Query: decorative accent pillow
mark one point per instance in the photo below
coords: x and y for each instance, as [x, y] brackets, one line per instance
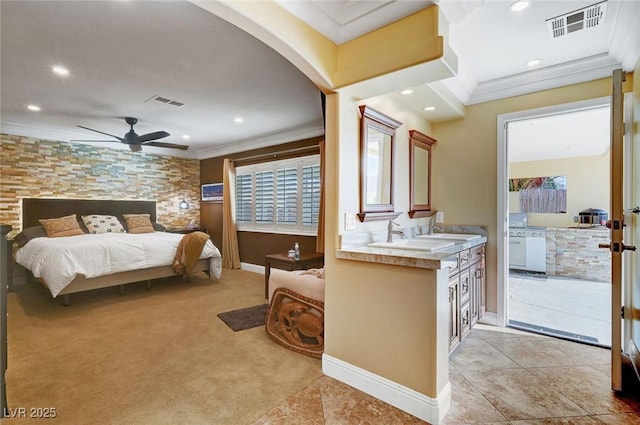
[102, 224]
[159, 227]
[29, 233]
[138, 223]
[62, 226]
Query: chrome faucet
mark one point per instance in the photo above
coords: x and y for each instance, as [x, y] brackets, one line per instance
[391, 232]
[430, 225]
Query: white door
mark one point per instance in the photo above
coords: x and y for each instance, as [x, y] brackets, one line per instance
[621, 278]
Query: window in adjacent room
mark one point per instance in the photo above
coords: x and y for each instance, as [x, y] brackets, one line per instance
[280, 196]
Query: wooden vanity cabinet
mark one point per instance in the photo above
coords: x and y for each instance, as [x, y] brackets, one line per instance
[454, 313]
[466, 293]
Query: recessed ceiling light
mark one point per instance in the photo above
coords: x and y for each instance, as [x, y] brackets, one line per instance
[407, 91]
[185, 136]
[430, 108]
[534, 62]
[60, 70]
[238, 119]
[519, 5]
[34, 108]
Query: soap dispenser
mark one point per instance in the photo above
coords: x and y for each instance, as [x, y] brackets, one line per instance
[296, 248]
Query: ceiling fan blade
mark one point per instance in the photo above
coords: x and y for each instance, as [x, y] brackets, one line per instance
[99, 141]
[102, 132]
[167, 145]
[152, 136]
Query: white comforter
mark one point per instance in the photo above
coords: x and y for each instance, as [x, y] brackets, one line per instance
[58, 260]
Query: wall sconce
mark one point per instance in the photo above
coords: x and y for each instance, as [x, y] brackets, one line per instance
[184, 205]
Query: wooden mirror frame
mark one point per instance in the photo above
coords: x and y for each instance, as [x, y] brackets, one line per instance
[421, 141]
[387, 125]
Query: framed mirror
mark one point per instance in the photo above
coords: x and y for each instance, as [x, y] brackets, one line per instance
[377, 138]
[420, 174]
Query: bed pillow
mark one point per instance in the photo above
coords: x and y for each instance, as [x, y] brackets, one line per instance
[159, 227]
[29, 233]
[62, 226]
[102, 224]
[138, 223]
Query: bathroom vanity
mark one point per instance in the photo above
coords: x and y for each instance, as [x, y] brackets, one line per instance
[463, 255]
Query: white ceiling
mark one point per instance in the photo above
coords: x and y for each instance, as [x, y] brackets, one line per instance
[565, 135]
[121, 53]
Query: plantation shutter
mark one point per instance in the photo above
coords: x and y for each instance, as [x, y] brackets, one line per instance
[243, 198]
[264, 197]
[310, 195]
[287, 196]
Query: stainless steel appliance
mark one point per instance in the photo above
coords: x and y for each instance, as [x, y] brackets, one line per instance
[517, 250]
[592, 216]
[536, 242]
[527, 245]
[517, 220]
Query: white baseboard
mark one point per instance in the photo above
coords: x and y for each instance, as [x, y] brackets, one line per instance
[415, 403]
[489, 318]
[252, 268]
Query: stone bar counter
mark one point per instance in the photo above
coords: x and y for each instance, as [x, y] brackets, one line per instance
[573, 252]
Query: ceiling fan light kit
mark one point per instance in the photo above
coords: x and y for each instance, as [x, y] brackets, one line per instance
[135, 141]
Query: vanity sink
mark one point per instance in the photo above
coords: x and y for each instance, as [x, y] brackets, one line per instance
[450, 236]
[414, 244]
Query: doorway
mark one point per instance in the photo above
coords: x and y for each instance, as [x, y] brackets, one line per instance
[553, 170]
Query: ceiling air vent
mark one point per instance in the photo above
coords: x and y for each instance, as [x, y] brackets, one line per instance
[166, 101]
[588, 17]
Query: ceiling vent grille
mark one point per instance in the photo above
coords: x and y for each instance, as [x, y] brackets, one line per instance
[166, 101]
[588, 17]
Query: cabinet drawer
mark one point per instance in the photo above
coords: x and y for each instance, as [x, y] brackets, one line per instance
[465, 321]
[465, 259]
[477, 252]
[464, 286]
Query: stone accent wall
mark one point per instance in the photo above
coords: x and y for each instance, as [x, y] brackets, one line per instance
[33, 168]
[573, 252]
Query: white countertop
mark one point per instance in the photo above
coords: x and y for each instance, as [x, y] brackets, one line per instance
[410, 258]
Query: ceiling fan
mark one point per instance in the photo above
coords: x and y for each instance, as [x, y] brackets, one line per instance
[135, 141]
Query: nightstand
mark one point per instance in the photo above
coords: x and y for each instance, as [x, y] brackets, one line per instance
[184, 230]
[283, 261]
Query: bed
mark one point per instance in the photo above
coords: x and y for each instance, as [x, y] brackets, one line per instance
[71, 264]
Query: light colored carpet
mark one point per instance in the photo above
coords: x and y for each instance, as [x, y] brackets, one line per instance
[148, 357]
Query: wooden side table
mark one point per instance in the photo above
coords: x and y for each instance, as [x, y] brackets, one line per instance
[308, 260]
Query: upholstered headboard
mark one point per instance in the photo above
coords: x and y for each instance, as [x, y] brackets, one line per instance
[34, 209]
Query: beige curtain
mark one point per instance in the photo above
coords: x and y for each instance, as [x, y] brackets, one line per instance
[230, 253]
[320, 235]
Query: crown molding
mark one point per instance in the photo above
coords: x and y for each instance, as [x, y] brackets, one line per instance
[625, 40]
[574, 72]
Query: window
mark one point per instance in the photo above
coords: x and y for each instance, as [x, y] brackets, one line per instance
[280, 196]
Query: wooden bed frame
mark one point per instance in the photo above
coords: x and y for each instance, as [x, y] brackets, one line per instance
[34, 209]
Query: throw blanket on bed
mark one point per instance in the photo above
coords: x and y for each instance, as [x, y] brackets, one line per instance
[188, 252]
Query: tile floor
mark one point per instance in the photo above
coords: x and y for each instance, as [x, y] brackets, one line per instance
[576, 308]
[498, 376]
